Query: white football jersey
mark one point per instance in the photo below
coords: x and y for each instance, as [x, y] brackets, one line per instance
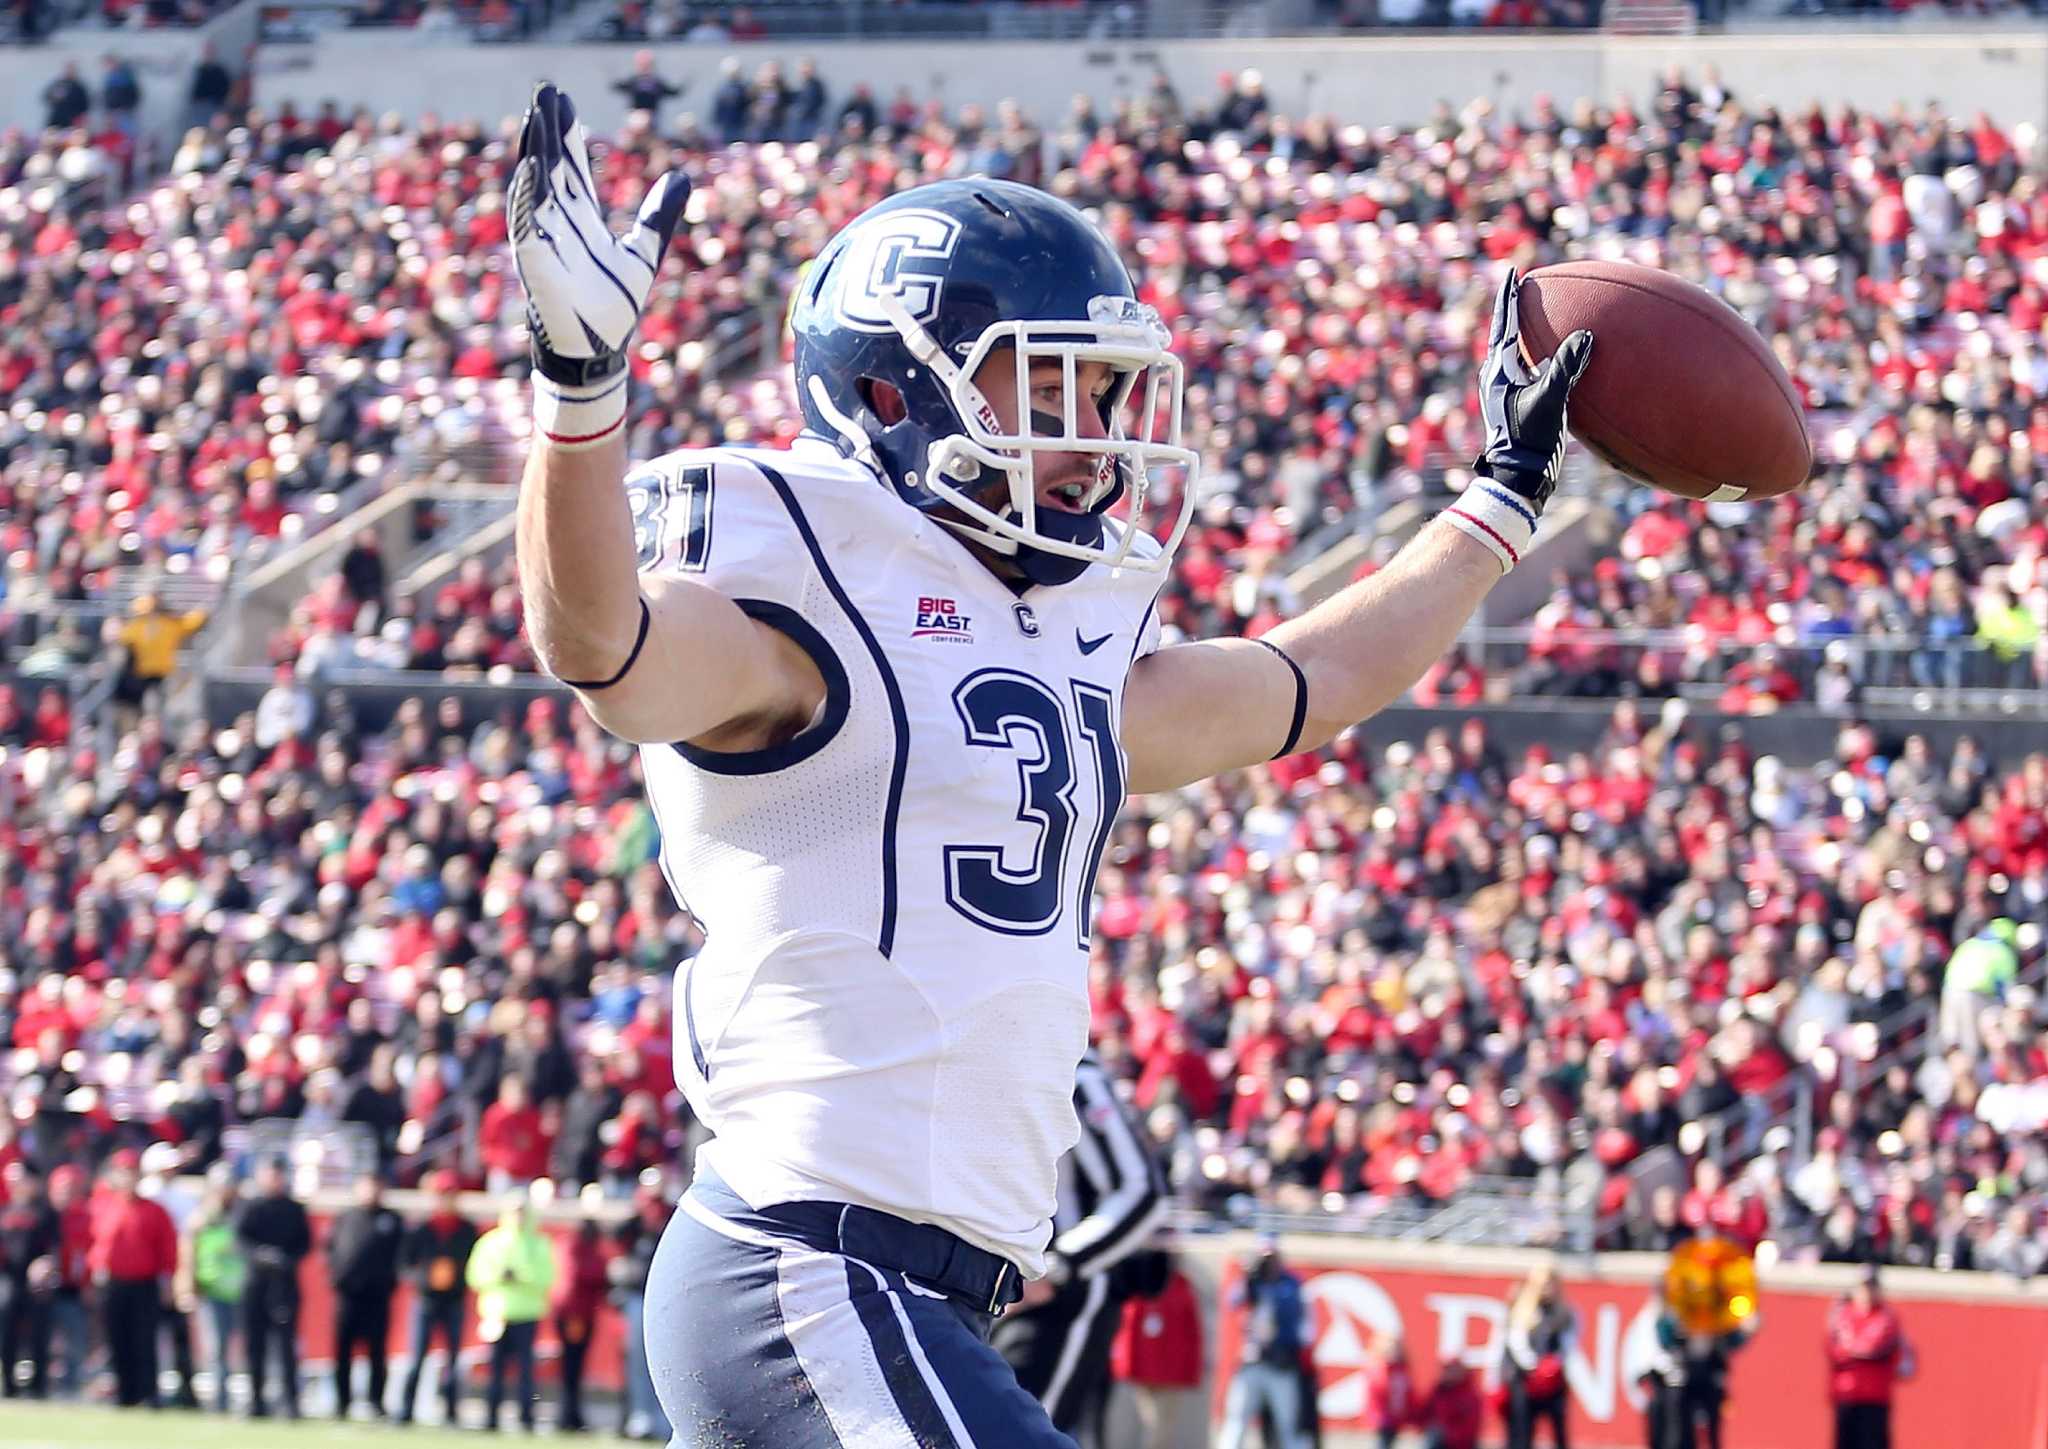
[891, 1000]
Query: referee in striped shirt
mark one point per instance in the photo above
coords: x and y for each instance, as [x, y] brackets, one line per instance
[1112, 1198]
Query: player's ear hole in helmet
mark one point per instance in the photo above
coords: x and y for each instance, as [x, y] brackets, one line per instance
[910, 313]
[883, 400]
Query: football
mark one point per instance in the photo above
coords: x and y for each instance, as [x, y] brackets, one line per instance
[1681, 393]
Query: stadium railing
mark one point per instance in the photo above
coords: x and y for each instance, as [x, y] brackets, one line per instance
[333, 1154]
[414, 522]
[1780, 1117]
[1965, 674]
[1907, 1037]
[1555, 1210]
[90, 684]
[92, 692]
[1797, 735]
[1889, 673]
[1097, 20]
[1737, 1134]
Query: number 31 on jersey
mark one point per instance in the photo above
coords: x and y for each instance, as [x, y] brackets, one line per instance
[1046, 731]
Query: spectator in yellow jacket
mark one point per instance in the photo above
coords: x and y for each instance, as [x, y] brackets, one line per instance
[2010, 629]
[150, 638]
[511, 1270]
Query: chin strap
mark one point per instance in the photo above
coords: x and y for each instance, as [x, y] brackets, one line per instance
[1051, 569]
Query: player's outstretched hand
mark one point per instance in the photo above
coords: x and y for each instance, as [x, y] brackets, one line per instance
[1524, 411]
[584, 286]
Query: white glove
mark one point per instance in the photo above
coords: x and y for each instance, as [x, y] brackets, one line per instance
[584, 286]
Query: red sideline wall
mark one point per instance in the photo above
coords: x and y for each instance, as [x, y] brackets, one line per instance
[1981, 1343]
[1981, 1346]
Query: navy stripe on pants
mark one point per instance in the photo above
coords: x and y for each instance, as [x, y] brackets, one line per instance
[866, 1289]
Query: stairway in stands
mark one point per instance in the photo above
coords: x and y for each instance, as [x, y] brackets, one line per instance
[1650, 17]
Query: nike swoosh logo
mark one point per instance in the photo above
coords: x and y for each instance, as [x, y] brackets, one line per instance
[1089, 646]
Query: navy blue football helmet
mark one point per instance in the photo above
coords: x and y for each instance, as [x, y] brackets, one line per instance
[916, 293]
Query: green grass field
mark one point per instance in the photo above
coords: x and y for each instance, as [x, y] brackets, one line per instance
[74, 1426]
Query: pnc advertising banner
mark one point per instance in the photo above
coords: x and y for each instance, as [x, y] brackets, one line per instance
[1980, 1346]
[1980, 1379]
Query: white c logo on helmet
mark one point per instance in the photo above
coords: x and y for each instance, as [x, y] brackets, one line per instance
[902, 253]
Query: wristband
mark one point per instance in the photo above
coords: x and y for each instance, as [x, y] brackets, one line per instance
[575, 417]
[1498, 517]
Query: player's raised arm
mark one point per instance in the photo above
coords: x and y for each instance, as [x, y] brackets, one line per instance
[657, 658]
[1195, 710]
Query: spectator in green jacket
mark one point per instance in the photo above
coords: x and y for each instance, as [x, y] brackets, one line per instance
[2009, 627]
[1979, 973]
[512, 1269]
[211, 1274]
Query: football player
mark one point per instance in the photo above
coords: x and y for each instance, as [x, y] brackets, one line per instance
[890, 688]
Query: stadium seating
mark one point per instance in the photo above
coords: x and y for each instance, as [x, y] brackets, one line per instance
[1325, 285]
[1344, 983]
[1338, 985]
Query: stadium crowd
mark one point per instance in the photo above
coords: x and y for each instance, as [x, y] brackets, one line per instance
[1345, 980]
[1382, 975]
[33, 20]
[1325, 285]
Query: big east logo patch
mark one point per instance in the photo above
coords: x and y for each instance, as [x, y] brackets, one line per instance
[939, 618]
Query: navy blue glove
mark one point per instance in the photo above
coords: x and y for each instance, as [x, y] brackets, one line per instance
[1524, 411]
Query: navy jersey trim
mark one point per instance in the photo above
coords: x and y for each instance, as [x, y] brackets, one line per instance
[685, 988]
[1139, 642]
[807, 742]
[686, 972]
[899, 717]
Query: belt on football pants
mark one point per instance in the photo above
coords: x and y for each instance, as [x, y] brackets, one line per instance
[930, 1254]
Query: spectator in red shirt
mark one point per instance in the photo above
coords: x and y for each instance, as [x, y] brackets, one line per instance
[581, 1282]
[1733, 1212]
[513, 1140]
[52, 723]
[1454, 1412]
[1158, 1351]
[1389, 1387]
[1754, 1062]
[74, 1272]
[134, 1252]
[633, 1142]
[1865, 1347]
[1182, 1065]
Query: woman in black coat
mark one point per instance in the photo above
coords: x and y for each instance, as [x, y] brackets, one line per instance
[1541, 1328]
